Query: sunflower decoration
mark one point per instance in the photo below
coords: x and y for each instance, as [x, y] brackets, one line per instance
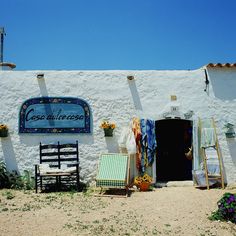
[3, 127]
[138, 180]
[107, 125]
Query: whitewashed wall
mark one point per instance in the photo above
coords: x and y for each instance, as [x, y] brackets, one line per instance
[111, 96]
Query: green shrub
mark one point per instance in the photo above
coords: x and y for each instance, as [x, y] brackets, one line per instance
[28, 180]
[14, 180]
[226, 209]
[4, 180]
[25, 182]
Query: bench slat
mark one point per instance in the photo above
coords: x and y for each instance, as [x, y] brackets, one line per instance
[61, 153]
[68, 145]
[49, 146]
[49, 154]
[68, 159]
[61, 159]
[68, 153]
[49, 160]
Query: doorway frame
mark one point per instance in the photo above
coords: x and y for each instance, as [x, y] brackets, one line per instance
[194, 145]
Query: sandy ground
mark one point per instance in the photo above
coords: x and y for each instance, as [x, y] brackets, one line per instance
[164, 211]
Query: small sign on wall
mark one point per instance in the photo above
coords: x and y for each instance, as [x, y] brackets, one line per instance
[55, 115]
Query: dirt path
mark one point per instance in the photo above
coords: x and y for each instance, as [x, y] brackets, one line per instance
[165, 211]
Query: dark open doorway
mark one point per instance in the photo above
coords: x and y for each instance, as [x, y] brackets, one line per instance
[174, 138]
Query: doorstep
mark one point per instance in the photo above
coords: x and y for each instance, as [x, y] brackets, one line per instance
[186, 183]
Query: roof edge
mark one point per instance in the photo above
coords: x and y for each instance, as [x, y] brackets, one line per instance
[219, 65]
[8, 64]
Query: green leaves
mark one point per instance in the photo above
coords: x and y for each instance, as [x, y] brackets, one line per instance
[226, 209]
[14, 180]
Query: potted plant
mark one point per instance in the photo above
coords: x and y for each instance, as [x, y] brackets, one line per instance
[3, 130]
[226, 208]
[143, 182]
[108, 128]
[230, 133]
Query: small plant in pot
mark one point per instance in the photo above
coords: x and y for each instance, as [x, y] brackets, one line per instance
[108, 127]
[143, 182]
[3, 130]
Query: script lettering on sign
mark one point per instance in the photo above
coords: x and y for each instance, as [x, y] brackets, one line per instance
[55, 115]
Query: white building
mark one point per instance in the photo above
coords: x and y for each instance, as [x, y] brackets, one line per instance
[110, 95]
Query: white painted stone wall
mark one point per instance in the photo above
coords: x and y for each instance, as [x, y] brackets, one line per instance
[111, 96]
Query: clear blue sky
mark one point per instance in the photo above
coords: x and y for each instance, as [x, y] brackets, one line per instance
[118, 34]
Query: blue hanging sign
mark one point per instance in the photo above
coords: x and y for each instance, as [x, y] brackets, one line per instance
[55, 115]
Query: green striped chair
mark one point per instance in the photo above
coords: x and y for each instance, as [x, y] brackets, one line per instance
[113, 171]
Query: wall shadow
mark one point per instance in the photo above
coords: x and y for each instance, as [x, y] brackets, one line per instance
[223, 83]
[44, 93]
[223, 166]
[112, 144]
[135, 95]
[9, 154]
[43, 87]
[231, 142]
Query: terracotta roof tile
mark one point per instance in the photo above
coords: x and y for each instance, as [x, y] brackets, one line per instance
[229, 65]
[11, 65]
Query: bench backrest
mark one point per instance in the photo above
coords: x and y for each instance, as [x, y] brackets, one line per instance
[57, 154]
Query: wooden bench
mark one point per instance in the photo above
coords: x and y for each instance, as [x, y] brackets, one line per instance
[58, 162]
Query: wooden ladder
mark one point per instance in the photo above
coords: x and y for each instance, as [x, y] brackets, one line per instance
[216, 146]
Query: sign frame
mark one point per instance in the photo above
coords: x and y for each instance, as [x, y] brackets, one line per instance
[63, 101]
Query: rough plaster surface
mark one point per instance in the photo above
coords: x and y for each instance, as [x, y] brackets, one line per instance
[111, 96]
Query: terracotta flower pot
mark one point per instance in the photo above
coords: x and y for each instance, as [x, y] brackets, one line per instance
[144, 186]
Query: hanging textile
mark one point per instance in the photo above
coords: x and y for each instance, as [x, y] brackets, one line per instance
[127, 140]
[148, 143]
[143, 145]
[137, 134]
[208, 138]
[123, 137]
[151, 141]
[131, 143]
